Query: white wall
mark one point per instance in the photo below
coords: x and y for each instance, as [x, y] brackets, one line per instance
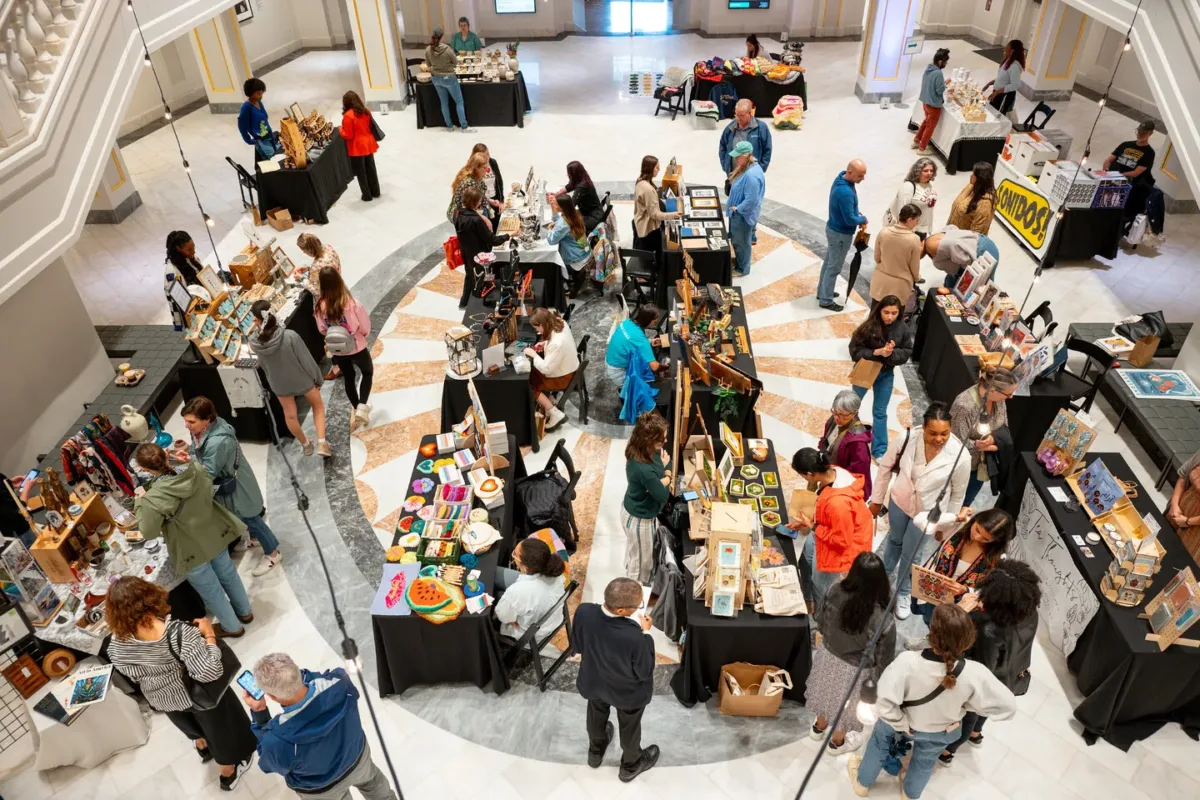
[716, 17]
[273, 32]
[56, 364]
[971, 18]
[181, 79]
[1097, 57]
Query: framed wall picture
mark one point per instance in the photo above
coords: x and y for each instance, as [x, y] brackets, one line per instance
[243, 10]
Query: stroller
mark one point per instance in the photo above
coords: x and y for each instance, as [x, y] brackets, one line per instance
[543, 499]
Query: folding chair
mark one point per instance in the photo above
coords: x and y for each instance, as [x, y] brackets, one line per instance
[639, 271]
[560, 453]
[578, 382]
[410, 82]
[532, 642]
[1042, 312]
[1030, 125]
[1104, 360]
[247, 185]
[672, 100]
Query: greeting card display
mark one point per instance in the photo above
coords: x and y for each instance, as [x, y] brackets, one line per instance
[1096, 488]
[1173, 610]
[1066, 442]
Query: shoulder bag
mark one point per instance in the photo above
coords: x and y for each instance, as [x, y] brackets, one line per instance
[900, 455]
[204, 696]
[376, 131]
[937, 691]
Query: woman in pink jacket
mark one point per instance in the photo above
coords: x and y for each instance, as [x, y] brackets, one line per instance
[337, 308]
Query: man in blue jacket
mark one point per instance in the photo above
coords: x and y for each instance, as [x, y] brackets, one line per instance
[745, 203]
[744, 128]
[317, 743]
[844, 218]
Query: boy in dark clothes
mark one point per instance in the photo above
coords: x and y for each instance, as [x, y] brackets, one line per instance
[617, 669]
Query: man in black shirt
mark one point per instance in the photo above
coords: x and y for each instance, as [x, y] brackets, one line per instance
[1134, 159]
[617, 669]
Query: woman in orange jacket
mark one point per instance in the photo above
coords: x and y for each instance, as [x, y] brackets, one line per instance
[361, 144]
[842, 527]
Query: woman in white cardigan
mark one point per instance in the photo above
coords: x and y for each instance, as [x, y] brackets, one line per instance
[916, 466]
[917, 189]
[923, 697]
[554, 361]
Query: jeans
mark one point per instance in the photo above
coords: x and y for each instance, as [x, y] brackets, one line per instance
[926, 747]
[822, 582]
[370, 781]
[925, 132]
[974, 484]
[903, 539]
[221, 588]
[739, 233]
[971, 723]
[259, 531]
[368, 178]
[357, 392]
[447, 87]
[882, 395]
[837, 246]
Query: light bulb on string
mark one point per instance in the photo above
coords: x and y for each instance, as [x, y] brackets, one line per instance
[868, 693]
[1102, 101]
[146, 60]
[1059, 214]
[984, 426]
[167, 114]
[187, 167]
[1127, 46]
[129, 4]
[208, 220]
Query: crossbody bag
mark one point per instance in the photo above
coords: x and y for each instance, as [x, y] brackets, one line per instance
[205, 695]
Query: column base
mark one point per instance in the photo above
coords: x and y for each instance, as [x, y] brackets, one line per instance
[117, 215]
[873, 98]
[1173, 206]
[1040, 95]
[393, 105]
[224, 108]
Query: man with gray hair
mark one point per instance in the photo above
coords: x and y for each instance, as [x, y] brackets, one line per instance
[317, 743]
[744, 127]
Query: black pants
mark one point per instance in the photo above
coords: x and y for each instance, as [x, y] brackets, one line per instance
[368, 179]
[972, 723]
[629, 729]
[357, 392]
[226, 729]
[1004, 103]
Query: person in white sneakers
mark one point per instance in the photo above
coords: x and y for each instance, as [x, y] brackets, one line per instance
[336, 307]
[554, 361]
[853, 609]
[915, 467]
[214, 446]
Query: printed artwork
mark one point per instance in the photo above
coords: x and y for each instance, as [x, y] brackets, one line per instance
[729, 554]
[1159, 384]
[1099, 488]
[933, 587]
[722, 604]
[389, 598]
[769, 502]
[1175, 609]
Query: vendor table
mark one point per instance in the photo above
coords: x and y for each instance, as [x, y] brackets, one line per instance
[488, 104]
[712, 642]
[98, 731]
[307, 193]
[1130, 687]
[1025, 210]
[947, 372]
[547, 266]
[713, 266]
[963, 143]
[763, 93]
[411, 651]
[506, 396]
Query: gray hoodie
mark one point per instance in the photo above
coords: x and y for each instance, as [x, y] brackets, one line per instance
[290, 368]
[933, 86]
[441, 59]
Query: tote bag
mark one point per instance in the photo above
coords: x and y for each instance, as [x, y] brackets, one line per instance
[204, 696]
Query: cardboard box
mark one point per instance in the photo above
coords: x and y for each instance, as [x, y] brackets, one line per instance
[280, 219]
[256, 217]
[750, 704]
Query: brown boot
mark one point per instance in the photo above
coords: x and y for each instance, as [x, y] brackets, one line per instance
[222, 633]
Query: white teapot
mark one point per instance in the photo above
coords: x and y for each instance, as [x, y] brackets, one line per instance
[134, 424]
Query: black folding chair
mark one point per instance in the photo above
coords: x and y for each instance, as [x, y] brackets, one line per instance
[671, 100]
[410, 82]
[638, 270]
[605, 206]
[247, 185]
[1104, 362]
[573, 475]
[1030, 124]
[578, 384]
[532, 641]
[1042, 312]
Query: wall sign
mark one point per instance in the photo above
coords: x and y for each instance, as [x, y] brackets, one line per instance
[1027, 212]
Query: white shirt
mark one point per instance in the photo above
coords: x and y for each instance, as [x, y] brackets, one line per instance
[558, 354]
[918, 484]
[922, 195]
[913, 676]
[527, 601]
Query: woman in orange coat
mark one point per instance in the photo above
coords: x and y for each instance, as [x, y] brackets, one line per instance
[360, 144]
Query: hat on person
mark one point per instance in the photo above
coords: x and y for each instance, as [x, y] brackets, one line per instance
[741, 149]
[438, 33]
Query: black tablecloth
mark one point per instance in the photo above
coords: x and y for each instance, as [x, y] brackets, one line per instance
[712, 642]
[947, 372]
[713, 266]
[488, 104]
[1130, 687]
[307, 193]
[1085, 233]
[554, 293]
[506, 396]
[755, 88]
[411, 651]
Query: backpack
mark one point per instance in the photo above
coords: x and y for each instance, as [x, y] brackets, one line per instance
[541, 503]
[338, 340]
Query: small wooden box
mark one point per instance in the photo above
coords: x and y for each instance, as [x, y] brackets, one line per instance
[673, 178]
[54, 550]
[25, 676]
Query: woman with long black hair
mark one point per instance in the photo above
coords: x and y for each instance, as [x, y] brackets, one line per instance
[883, 337]
[973, 208]
[583, 192]
[569, 232]
[1008, 78]
[854, 608]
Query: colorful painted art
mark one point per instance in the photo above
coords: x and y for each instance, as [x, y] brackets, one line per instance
[771, 518]
[1159, 384]
[1099, 488]
[389, 597]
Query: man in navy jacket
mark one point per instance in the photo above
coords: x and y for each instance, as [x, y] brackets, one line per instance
[317, 743]
[844, 218]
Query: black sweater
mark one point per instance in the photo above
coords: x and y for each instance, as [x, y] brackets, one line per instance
[588, 203]
[474, 237]
[617, 665]
[897, 332]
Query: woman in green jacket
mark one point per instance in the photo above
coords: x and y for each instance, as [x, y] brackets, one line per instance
[648, 487]
[179, 507]
[214, 444]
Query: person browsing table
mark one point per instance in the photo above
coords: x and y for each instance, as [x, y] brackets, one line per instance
[933, 98]
[951, 250]
[898, 258]
[253, 122]
[583, 192]
[744, 127]
[336, 308]
[1183, 510]
[493, 183]
[973, 208]
[746, 194]
[844, 220]
[475, 235]
[361, 144]
[847, 439]
[441, 60]
[989, 395]
[569, 232]
[648, 479]
[883, 337]
[917, 188]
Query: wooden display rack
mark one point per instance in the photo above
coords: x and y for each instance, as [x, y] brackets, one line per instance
[54, 550]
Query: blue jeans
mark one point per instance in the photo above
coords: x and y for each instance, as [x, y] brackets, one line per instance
[837, 246]
[258, 529]
[221, 588]
[447, 87]
[739, 233]
[973, 487]
[926, 747]
[882, 389]
[822, 582]
[903, 539]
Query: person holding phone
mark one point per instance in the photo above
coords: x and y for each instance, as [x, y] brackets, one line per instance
[154, 651]
[883, 337]
[317, 744]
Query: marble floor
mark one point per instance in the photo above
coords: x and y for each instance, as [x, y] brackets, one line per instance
[389, 255]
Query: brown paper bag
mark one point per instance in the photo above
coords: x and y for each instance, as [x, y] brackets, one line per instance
[803, 502]
[742, 697]
[1143, 352]
[864, 373]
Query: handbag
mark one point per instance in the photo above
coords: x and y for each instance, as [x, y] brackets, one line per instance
[454, 257]
[205, 695]
[376, 131]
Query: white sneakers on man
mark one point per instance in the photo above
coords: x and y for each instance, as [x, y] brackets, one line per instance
[267, 563]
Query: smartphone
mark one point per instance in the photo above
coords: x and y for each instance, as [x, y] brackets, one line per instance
[784, 530]
[31, 476]
[246, 681]
[690, 495]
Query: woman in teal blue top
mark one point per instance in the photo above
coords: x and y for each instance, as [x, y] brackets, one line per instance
[253, 122]
[630, 336]
[569, 232]
[465, 41]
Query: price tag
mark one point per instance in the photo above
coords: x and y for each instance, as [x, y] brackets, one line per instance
[1058, 494]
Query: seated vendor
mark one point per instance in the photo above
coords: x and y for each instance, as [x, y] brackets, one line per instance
[1134, 160]
[952, 249]
[465, 41]
[628, 337]
[528, 595]
[554, 361]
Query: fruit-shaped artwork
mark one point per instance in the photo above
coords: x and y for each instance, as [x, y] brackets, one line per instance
[426, 595]
[396, 591]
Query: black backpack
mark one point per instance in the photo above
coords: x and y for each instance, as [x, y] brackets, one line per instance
[542, 503]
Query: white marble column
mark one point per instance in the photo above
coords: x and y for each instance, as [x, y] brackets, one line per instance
[882, 65]
[116, 196]
[1052, 59]
[224, 65]
[376, 34]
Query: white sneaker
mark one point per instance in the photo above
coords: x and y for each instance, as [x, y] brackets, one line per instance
[915, 146]
[554, 418]
[852, 768]
[815, 734]
[853, 741]
[363, 413]
[916, 645]
[903, 606]
[269, 562]
[243, 544]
